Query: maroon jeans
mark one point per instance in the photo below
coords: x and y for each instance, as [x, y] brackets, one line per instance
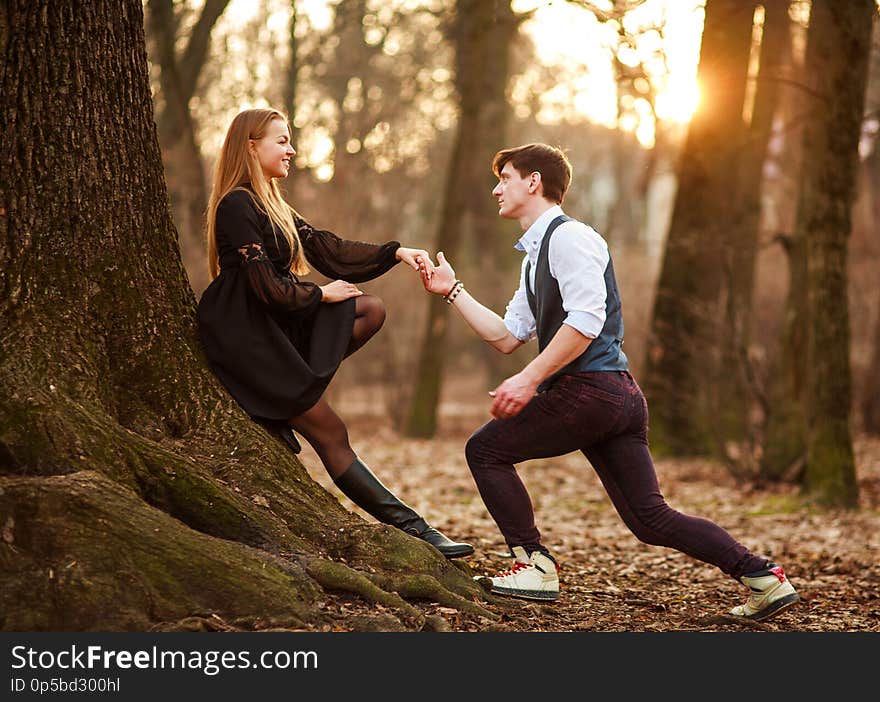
[605, 416]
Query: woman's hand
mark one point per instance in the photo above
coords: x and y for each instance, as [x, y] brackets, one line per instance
[416, 258]
[443, 277]
[339, 290]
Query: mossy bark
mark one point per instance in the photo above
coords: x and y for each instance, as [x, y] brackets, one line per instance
[134, 493]
[838, 80]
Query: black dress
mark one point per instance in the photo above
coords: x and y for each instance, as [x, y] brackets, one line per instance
[272, 342]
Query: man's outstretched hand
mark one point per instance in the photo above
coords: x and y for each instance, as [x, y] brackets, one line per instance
[443, 277]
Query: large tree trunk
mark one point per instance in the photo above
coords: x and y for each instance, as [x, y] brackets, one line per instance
[481, 33]
[134, 493]
[838, 46]
[683, 345]
[184, 165]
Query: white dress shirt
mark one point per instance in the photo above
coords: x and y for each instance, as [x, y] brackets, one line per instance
[578, 259]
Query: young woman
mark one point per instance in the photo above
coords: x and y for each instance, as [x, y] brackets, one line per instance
[276, 341]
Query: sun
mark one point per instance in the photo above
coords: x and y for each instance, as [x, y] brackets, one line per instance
[678, 102]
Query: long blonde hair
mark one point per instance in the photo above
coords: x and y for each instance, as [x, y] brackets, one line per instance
[236, 165]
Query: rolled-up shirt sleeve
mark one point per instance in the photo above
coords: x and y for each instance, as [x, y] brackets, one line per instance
[518, 317]
[578, 260]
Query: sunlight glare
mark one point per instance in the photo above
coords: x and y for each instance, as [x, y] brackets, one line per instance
[319, 12]
[678, 101]
[579, 47]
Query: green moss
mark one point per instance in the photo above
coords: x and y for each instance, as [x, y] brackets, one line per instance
[779, 504]
[830, 477]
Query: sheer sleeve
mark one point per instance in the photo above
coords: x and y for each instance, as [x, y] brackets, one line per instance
[238, 227]
[274, 291]
[341, 259]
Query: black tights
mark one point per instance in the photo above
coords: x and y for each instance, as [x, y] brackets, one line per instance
[320, 425]
[369, 316]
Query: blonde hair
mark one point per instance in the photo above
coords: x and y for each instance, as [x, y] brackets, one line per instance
[236, 166]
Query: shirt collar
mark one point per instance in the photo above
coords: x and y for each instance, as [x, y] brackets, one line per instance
[530, 241]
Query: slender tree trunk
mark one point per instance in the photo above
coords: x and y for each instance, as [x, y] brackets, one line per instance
[683, 345]
[783, 454]
[871, 402]
[292, 83]
[735, 393]
[481, 32]
[870, 405]
[838, 79]
[291, 86]
[127, 474]
[491, 238]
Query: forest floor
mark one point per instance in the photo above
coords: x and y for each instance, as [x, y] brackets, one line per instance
[609, 581]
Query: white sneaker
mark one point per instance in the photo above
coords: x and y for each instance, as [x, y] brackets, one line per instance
[770, 594]
[532, 578]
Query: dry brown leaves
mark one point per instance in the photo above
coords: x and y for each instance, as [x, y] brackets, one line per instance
[609, 580]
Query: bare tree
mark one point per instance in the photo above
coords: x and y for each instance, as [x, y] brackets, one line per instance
[481, 33]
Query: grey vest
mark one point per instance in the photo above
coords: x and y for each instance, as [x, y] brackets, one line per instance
[604, 353]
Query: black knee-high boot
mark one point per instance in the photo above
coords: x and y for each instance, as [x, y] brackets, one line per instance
[363, 488]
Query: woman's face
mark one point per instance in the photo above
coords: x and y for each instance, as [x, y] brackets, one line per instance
[273, 150]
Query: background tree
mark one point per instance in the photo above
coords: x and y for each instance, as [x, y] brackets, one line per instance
[481, 33]
[869, 191]
[127, 475]
[837, 81]
[870, 395]
[783, 425]
[681, 351]
[737, 392]
[291, 85]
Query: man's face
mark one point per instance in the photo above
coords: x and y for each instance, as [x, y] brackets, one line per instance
[513, 192]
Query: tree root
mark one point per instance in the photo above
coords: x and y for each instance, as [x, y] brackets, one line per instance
[337, 576]
[426, 587]
[74, 543]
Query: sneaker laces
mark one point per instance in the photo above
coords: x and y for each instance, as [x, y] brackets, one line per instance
[518, 566]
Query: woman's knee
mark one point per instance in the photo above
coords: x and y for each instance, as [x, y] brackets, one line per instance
[374, 310]
[328, 435]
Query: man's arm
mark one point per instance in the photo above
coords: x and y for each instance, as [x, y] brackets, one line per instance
[485, 323]
[515, 392]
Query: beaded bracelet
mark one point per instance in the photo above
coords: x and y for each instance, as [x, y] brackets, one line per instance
[453, 293]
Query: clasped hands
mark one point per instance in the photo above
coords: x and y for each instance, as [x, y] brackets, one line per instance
[339, 290]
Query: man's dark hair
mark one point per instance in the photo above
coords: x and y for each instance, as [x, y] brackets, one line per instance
[550, 162]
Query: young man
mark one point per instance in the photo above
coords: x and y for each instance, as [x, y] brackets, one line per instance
[577, 393]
